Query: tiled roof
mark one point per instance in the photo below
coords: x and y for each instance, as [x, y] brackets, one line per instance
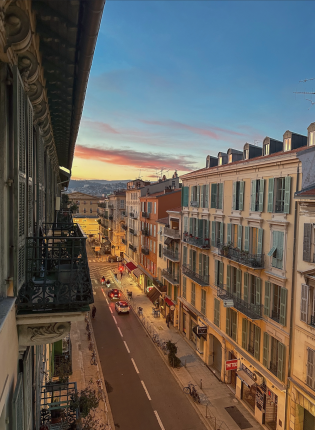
[160, 193]
[163, 220]
[175, 209]
[306, 192]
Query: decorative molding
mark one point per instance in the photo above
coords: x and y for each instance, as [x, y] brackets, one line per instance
[42, 334]
[276, 278]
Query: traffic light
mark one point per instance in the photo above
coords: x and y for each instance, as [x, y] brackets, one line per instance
[121, 268]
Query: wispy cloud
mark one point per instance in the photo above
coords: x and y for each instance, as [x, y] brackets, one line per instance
[99, 126]
[131, 158]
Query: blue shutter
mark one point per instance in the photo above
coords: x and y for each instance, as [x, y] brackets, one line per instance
[287, 194]
[253, 196]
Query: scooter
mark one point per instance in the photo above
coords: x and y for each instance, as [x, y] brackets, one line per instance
[103, 281]
[108, 283]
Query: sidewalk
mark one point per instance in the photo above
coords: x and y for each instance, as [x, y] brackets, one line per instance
[214, 393]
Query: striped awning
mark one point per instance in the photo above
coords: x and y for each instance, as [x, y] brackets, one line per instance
[130, 266]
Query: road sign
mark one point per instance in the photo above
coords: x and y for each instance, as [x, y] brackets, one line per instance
[201, 330]
[97, 249]
[231, 365]
[228, 303]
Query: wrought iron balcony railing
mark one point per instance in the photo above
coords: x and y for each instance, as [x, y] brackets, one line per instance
[64, 216]
[170, 276]
[170, 232]
[145, 250]
[251, 310]
[145, 215]
[132, 247]
[124, 241]
[124, 227]
[202, 280]
[203, 243]
[145, 232]
[110, 217]
[57, 274]
[194, 204]
[171, 255]
[255, 261]
[133, 215]
[312, 322]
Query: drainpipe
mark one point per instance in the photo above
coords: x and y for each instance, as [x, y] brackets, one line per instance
[292, 301]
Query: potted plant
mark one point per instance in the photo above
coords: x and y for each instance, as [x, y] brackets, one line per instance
[172, 357]
[224, 250]
[85, 400]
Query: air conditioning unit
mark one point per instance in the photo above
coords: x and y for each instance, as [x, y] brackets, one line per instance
[258, 378]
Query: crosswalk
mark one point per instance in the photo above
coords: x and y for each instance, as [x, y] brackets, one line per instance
[98, 269]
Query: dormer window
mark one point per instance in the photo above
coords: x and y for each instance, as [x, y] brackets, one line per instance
[230, 158]
[287, 144]
[220, 161]
[267, 149]
[311, 140]
[246, 154]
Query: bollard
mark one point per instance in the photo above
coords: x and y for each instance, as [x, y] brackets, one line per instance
[200, 383]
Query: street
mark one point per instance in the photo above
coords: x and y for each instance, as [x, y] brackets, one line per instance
[142, 391]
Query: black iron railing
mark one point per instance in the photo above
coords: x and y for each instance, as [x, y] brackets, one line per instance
[124, 227]
[203, 243]
[170, 254]
[145, 250]
[132, 247]
[275, 315]
[170, 276]
[145, 215]
[57, 272]
[63, 361]
[202, 280]
[170, 232]
[251, 310]
[255, 261]
[131, 230]
[124, 241]
[64, 216]
[110, 217]
[145, 232]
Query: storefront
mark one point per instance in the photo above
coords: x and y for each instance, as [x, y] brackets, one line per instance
[169, 308]
[215, 355]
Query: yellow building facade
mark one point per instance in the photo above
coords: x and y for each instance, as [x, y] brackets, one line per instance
[89, 224]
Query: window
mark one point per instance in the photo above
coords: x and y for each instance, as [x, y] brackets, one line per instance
[150, 245]
[309, 243]
[193, 294]
[238, 195]
[204, 196]
[251, 338]
[194, 196]
[217, 196]
[218, 273]
[275, 305]
[203, 302]
[193, 260]
[91, 211]
[84, 210]
[287, 144]
[204, 267]
[184, 287]
[217, 237]
[155, 207]
[216, 319]
[169, 289]
[231, 323]
[160, 250]
[150, 229]
[252, 290]
[220, 161]
[234, 235]
[310, 377]
[274, 356]
[91, 202]
[267, 149]
[149, 207]
[154, 246]
[154, 234]
[253, 243]
[279, 194]
[276, 252]
[230, 158]
[257, 195]
[84, 202]
[246, 154]
[308, 304]
[234, 281]
[311, 138]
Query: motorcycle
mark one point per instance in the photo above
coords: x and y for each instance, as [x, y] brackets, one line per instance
[103, 281]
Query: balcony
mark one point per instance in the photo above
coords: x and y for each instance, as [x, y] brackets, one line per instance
[111, 206]
[194, 204]
[171, 255]
[110, 217]
[252, 311]
[255, 261]
[202, 280]
[57, 274]
[170, 276]
[132, 247]
[124, 227]
[275, 316]
[170, 232]
[124, 241]
[64, 217]
[145, 250]
[145, 215]
[196, 241]
[132, 231]
[133, 215]
[145, 232]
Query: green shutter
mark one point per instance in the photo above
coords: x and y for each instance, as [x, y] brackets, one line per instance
[221, 233]
[221, 268]
[283, 306]
[241, 197]
[229, 233]
[206, 266]
[271, 184]
[227, 322]
[228, 278]
[246, 241]
[198, 194]
[185, 254]
[246, 287]
[267, 298]
[261, 195]
[258, 291]
[238, 283]
[244, 333]
[266, 350]
[190, 226]
[214, 195]
[207, 230]
[220, 200]
[185, 224]
[280, 238]
[216, 271]
[190, 259]
[281, 361]
[260, 241]
[239, 236]
[184, 287]
[234, 324]
[213, 225]
[200, 229]
[200, 264]
[202, 195]
[191, 194]
[206, 197]
[196, 227]
[287, 194]
[217, 312]
[253, 196]
[257, 343]
[234, 196]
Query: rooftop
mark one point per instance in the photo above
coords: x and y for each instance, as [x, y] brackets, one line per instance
[307, 192]
[163, 220]
[160, 194]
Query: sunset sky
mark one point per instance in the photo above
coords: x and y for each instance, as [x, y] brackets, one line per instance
[174, 81]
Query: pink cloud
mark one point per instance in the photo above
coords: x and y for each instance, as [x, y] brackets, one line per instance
[100, 126]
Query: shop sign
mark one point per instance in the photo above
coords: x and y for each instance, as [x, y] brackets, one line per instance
[201, 330]
[228, 303]
[97, 249]
[149, 289]
[172, 308]
[231, 364]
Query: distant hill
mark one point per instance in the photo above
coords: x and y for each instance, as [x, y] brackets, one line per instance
[96, 187]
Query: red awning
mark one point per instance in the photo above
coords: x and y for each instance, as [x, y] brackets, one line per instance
[169, 302]
[130, 266]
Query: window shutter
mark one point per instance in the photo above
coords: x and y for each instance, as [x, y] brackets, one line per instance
[253, 196]
[281, 361]
[198, 194]
[310, 368]
[304, 303]
[221, 268]
[184, 287]
[216, 272]
[244, 333]
[191, 194]
[238, 283]
[280, 238]
[213, 228]
[307, 242]
[200, 229]
[239, 236]
[184, 254]
[190, 259]
[246, 286]
[228, 278]
[227, 322]
[261, 195]
[220, 200]
[185, 224]
[17, 404]
[207, 230]
[257, 343]
[266, 350]
[258, 291]
[214, 195]
[271, 184]
[283, 306]
[206, 197]
[274, 245]
[267, 298]
[246, 241]
[196, 227]
[234, 324]
[206, 268]
[221, 233]
[200, 264]
[217, 312]
[160, 251]
[191, 226]
[202, 195]
[234, 196]
[287, 194]
[260, 241]
[229, 233]
[241, 197]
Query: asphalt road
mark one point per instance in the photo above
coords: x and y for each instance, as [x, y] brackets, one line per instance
[142, 391]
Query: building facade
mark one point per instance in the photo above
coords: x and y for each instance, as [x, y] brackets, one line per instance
[89, 225]
[116, 220]
[87, 204]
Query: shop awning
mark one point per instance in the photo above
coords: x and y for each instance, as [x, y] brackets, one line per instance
[168, 240]
[245, 378]
[169, 302]
[130, 266]
[197, 334]
[137, 272]
[153, 294]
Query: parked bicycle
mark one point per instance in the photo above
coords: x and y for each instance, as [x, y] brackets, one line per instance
[93, 358]
[156, 338]
[91, 346]
[140, 311]
[193, 392]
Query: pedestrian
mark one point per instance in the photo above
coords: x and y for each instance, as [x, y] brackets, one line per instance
[93, 311]
[168, 320]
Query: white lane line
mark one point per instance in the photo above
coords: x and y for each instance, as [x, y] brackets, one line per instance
[120, 332]
[111, 312]
[104, 294]
[159, 420]
[106, 300]
[135, 366]
[114, 319]
[126, 346]
[145, 389]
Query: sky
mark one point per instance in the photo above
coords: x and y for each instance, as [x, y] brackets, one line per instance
[175, 81]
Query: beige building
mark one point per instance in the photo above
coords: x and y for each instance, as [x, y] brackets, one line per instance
[116, 220]
[89, 225]
[238, 218]
[87, 204]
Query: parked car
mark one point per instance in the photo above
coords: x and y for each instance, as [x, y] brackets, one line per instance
[114, 294]
[122, 307]
[114, 259]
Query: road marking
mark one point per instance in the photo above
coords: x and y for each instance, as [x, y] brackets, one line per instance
[106, 300]
[120, 332]
[135, 366]
[145, 389]
[114, 318]
[126, 346]
[159, 420]
[112, 312]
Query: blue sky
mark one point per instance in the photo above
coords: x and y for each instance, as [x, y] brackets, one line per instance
[174, 81]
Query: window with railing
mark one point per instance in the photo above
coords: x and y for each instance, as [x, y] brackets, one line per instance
[231, 323]
[251, 338]
[274, 356]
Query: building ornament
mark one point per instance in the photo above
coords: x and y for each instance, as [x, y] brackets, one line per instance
[42, 334]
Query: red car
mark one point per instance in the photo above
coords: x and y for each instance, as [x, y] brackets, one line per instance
[114, 294]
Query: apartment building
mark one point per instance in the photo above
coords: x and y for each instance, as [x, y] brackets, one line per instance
[153, 208]
[89, 225]
[87, 204]
[238, 218]
[116, 220]
[40, 296]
